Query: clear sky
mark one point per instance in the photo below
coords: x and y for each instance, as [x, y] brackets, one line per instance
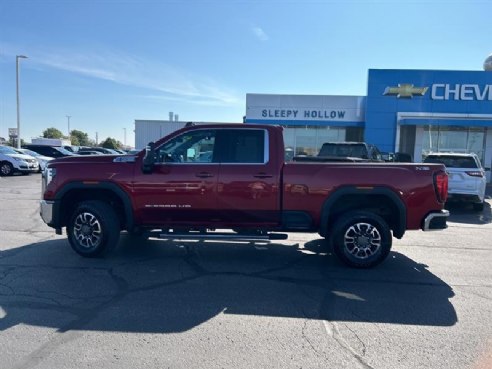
[108, 62]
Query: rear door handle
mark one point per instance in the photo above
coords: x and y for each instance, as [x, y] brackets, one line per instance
[204, 175]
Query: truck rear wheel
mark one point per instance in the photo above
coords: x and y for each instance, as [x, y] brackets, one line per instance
[93, 229]
[361, 239]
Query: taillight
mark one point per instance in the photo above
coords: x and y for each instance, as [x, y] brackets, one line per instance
[441, 186]
[475, 173]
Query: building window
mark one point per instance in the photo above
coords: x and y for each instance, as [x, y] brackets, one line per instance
[454, 139]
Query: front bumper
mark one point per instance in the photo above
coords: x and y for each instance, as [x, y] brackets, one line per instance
[46, 211]
[436, 221]
[31, 168]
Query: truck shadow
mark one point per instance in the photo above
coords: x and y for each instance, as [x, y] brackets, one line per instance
[160, 286]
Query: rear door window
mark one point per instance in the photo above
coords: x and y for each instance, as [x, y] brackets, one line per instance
[245, 146]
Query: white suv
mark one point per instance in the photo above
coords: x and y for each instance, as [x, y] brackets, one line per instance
[466, 177]
[11, 161]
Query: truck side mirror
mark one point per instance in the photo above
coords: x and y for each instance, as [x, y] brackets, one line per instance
[149, 158]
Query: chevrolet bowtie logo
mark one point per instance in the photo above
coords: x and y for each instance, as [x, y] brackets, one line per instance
[405, 90]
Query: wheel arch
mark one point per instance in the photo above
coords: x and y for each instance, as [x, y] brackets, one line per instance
[380, 200]
[73, 193]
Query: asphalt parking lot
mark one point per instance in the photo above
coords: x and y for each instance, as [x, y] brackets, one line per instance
[175, 304]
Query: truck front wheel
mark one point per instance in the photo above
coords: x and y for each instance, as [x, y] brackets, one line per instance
[361, 239]
[93, 229]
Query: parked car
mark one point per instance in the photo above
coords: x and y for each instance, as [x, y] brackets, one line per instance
[71, 148]
[11, 161]
[467, 179]
[351, 149]
[89, 152]
[102, 150]
[344, 152]
[51, 151]
[41, 159]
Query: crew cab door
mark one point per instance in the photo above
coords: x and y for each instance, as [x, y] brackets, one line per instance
[182, 188]
[249, 178]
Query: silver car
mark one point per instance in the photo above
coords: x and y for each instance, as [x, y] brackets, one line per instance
[41, 159]
[467, 179]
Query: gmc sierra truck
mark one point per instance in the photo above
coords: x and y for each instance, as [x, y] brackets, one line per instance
[233, 178]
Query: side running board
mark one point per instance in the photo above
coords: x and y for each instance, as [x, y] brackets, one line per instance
[220, 236]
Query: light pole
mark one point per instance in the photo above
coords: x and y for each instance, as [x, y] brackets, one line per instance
[17, 57]
[68, 121]
[124, 137]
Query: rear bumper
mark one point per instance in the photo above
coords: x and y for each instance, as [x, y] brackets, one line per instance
[436, 221]
[465, 197]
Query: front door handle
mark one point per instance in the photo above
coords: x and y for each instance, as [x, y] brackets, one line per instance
[204, 175]
[263, 175]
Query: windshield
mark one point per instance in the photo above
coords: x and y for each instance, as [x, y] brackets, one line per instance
[453, 161]
[7, 150]
[27, 152]
[357, 150]
[64, 151]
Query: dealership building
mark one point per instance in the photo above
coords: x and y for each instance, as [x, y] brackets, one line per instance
[410, 111]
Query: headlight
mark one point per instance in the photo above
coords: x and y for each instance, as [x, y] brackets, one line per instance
[48, 175]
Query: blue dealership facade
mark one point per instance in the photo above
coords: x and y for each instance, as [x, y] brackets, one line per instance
[411, 111]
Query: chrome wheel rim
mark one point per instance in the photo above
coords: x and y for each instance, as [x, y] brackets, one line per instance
[362, 240]
[87, 231]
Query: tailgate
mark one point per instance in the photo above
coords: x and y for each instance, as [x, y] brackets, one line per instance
[460, 181]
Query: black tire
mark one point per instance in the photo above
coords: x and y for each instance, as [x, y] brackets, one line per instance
[6, 169]
[93, 229]
[361, 239]
[478, 206]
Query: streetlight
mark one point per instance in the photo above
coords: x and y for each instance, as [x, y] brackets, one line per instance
[68, 118]
[124, 137]
[17, 57]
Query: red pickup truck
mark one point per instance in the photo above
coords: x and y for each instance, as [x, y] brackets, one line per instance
[233, 177]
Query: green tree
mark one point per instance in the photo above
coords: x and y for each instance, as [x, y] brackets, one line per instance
[52, 133]
[79, 138]
[111, 143]
[74, 140]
